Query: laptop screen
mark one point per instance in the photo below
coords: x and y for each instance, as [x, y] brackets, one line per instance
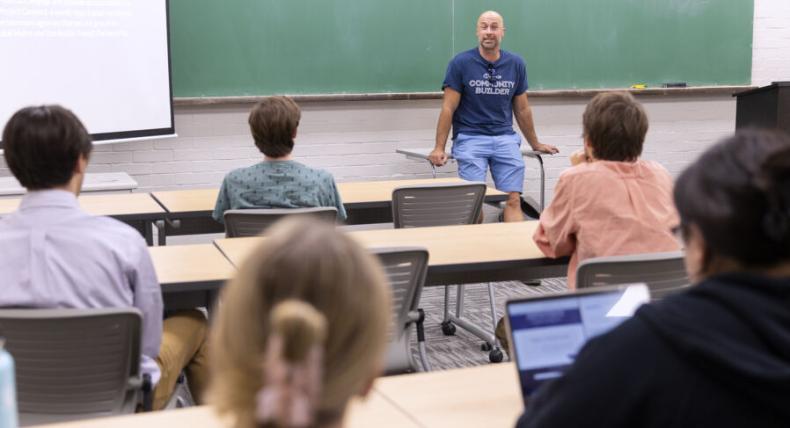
[548, 331]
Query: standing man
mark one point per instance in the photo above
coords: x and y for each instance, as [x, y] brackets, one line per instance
[483, 87]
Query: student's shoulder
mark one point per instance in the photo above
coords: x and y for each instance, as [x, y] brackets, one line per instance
[111, 234]
[654, 166]
[242, 172]
[317, 173]
[612, 371]
[618, 349]
[7, 221]
[592, 178]
[583, 171]
[108, 226]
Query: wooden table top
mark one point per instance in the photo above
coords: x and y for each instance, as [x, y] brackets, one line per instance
[115, 205]
[374, 411]
[176, 264]
[483, 396]
[92, 182]
[190, 200]
[201, 200]
[447, 245]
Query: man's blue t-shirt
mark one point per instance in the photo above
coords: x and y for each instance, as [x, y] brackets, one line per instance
[487, 90]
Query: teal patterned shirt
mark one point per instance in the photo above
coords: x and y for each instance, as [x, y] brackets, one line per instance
[278, 184]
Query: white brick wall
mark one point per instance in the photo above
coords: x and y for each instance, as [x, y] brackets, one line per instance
[680, 129]
[357, 140]
[771, 48]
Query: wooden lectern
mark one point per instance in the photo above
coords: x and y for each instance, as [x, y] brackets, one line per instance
[766, 107]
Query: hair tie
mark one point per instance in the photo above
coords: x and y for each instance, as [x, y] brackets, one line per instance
[290, 391]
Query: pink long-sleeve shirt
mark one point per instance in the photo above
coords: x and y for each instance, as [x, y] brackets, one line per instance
[607, 208]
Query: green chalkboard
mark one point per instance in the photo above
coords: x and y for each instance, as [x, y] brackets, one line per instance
[261, 47]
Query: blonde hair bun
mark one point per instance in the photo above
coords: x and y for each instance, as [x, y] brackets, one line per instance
[300, 326]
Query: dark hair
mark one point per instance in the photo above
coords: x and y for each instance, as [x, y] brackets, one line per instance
[273, 123]
[43, 144]
[615, 124]
[738, 195]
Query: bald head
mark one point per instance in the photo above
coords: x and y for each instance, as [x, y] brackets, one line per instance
[491, 15]
[490, 32]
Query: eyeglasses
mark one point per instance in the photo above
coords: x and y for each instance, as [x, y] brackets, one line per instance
[491, 73]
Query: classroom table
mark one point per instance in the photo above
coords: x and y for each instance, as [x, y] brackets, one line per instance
[189, 211]
[374, 411]
[138, 210]
[190, 275]
[482, 396]
[421, 154]
[94, 182]
[457, 254]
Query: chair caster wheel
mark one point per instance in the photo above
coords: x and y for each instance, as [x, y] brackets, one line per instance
[495, 356]
[485, 346]
[448, 328]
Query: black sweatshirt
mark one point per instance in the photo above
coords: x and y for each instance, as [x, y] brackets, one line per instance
[716, 355]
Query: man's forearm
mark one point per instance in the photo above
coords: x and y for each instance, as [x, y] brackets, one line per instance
[443, 129]
[527, 126]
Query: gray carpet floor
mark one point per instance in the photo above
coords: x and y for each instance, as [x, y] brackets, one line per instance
[463, 348]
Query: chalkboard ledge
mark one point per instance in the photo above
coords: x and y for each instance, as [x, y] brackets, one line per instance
[390, 96]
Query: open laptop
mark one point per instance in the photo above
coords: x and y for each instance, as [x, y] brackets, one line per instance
[547, 332]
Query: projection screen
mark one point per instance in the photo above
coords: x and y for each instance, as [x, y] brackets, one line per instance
[106, 60]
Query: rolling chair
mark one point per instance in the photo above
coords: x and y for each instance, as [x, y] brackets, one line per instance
[664, 273]
[75, 363]
[405, 268]
[445, 204]
[252, 222]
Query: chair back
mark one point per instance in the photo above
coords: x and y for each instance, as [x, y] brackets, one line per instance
[406, 268]
[252, 222]
[441, 204]
[74, 363]
[664, 273]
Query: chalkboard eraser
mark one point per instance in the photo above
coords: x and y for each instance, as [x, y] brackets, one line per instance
[674, 85]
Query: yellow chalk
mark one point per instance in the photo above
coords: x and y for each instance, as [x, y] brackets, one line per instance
[639, 86]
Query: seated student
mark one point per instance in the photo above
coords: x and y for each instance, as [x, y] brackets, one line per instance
[57, 256]
[611, 202]
[717, 354]
[278, 181]
[301, 330]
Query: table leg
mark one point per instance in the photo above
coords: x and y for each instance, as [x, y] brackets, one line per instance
[161, 233]
[148, 232]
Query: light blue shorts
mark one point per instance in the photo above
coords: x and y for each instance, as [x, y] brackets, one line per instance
[476, 153]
